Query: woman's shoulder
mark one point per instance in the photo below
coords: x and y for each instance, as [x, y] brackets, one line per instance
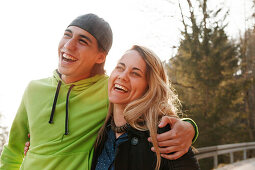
[132, 130]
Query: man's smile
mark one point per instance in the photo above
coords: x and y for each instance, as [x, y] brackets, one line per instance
[68, 58]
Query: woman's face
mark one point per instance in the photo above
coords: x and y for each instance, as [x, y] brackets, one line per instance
[128, 80]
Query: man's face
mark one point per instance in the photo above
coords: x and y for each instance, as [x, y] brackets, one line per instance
[78, 53]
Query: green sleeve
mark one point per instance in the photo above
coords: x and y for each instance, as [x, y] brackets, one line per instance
[13, 152]
[192, 122]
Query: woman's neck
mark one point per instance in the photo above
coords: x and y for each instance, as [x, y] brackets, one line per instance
[118, 117]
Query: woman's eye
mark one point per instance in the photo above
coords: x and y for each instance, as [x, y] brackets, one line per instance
[119, 68]
[136, 74]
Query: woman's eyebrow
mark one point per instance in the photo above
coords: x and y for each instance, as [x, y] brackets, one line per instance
[122, 64]
[135, 68]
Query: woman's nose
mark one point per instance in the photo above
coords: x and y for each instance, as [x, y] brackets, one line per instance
[123, 75]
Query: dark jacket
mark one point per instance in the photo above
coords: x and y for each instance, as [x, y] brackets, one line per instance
[136, 154]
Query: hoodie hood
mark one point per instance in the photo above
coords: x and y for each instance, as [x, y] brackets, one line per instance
[76, 87]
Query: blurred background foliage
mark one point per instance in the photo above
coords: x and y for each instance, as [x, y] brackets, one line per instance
[214, 76]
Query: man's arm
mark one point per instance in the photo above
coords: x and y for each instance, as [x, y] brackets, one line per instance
[178, 140]
[13, 152]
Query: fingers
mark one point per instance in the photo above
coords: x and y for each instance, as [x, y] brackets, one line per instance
[170, 142]
[173, 156]
[27, 144]
[166, 150]
[169, 134]
[167, 120]
[25, 150]
[171, 153]
[166, 136]
[175, 141]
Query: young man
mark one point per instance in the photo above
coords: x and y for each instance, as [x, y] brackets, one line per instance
[63, 113]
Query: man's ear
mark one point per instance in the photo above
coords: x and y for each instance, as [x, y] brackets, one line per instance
[101, 57]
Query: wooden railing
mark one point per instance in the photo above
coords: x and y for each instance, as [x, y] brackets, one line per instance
[214, 151]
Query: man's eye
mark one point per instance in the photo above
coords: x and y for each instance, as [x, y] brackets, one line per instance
[67, 35]
[83, 42]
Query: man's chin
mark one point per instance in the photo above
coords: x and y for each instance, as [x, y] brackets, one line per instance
[60, 70]
[63, 71]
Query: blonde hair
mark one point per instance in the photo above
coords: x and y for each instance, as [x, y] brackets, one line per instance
[158, 100]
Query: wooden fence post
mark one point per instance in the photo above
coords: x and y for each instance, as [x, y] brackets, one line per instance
[215, 161]
[244, 154]
[231, 157]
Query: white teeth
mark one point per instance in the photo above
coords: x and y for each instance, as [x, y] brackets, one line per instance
[120, 87]
[66, 56]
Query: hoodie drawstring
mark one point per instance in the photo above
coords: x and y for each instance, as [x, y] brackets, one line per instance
[54, 103]
[54, 106]
[67, 101]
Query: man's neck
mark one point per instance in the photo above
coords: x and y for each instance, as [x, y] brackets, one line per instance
[70, 79]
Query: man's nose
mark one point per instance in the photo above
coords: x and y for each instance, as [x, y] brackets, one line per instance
[70, 44]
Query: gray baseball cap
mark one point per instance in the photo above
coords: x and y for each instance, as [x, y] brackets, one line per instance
[97, 27]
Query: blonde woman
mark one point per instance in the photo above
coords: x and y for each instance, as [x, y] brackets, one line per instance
[139, 96]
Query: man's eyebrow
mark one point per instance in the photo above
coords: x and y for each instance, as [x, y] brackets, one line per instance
[68, 30]
[83, 36]
[87, 38]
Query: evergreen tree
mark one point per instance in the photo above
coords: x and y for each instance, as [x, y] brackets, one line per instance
[247, 54]
[204, 72]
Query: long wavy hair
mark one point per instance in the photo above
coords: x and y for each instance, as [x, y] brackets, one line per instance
[160, 99]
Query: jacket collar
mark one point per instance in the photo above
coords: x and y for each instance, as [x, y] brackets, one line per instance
[131, 131]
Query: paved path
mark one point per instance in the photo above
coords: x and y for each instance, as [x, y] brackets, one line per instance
[248, 164]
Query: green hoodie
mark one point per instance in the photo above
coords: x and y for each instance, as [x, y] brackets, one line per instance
[50, 148]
